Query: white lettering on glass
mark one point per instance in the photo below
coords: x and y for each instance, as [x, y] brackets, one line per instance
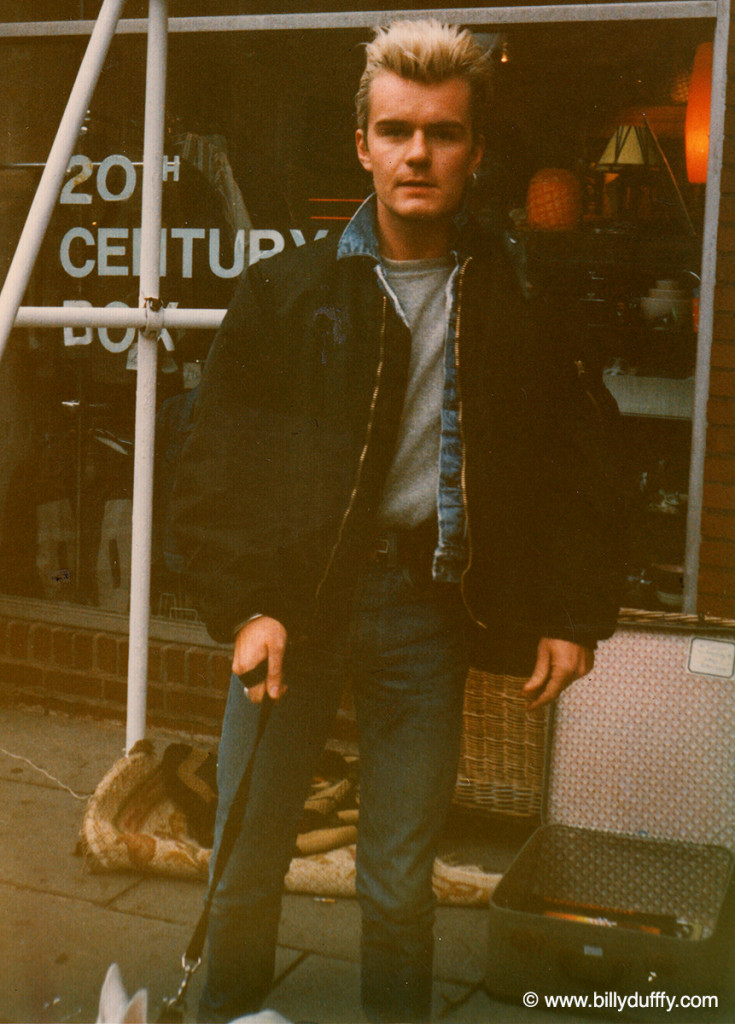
[74, 269]
[187, 236]
[136, 252]
[118, 250]
[171, 165]
[126, 340]
[238, 254]
[106, 251]
[68, 193]
[70, 335]
[85, 169]
[298, 236]
[259, 235]
[129, 178]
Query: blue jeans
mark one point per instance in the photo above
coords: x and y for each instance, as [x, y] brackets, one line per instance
[405, 654]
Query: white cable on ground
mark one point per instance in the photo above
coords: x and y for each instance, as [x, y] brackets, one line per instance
[19, 757]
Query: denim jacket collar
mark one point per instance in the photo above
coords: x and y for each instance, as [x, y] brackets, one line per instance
[360, 237]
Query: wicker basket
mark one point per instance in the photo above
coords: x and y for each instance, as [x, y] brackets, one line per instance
[501, 765]
[501, 761]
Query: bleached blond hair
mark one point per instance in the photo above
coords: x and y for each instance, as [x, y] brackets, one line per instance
[426, 51]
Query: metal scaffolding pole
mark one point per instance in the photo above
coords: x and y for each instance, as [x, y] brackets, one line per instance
[145, 400]
[49, 186]
[706, 314]
[117, 316]
[502, 15]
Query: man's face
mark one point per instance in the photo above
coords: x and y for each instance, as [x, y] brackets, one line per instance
[419, 147]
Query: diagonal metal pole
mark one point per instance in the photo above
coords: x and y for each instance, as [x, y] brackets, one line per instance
[52, 178]
[145, 398]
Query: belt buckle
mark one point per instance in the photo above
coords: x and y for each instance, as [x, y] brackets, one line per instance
[382, 546]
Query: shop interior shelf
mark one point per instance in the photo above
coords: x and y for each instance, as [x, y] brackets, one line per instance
[663, 397]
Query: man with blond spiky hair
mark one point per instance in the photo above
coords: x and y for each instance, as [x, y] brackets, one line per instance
[392, 471]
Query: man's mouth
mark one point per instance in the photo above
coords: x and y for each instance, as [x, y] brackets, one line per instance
[415, 183]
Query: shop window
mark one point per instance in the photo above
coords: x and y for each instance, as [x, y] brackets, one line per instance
[259, 157]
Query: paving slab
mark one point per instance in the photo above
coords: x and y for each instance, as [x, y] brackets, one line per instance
[460, 943]
[328, 927]
[76, 751]
[447, 997]
[332, 928]
[320, 989]
[479, 1008]
[55, 953]
[327, 990]
[451, 1009]
[176, 900]
[39, 831]
[487, 841]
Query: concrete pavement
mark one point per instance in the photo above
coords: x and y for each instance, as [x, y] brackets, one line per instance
[63, 925]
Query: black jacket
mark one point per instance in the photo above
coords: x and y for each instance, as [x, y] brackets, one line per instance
[294, 431]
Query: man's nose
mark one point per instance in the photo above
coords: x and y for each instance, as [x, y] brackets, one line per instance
[418, 151]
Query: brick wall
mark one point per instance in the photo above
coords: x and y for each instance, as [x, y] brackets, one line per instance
[717, 553]
[84, 671]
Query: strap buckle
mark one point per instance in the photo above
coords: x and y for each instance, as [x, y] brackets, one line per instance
[172, 1011]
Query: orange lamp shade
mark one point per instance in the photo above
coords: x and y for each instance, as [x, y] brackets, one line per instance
[696, 127]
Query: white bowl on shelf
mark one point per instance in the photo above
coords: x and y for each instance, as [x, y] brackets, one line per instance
[667, 293]
[654, 307]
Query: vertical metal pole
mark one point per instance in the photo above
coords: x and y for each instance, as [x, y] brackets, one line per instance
[707, 299]
[49, 186]
[145, 401]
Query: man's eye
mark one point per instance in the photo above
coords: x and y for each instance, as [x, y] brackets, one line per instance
[444, 134]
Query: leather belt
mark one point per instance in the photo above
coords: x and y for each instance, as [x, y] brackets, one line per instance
[412, 548]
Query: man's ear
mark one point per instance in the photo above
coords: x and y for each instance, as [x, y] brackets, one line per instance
[363, 153]
[477, 154]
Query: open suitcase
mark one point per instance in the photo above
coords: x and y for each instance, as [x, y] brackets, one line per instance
[624, 890]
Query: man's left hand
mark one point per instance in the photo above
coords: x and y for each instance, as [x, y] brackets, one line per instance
[558, 664]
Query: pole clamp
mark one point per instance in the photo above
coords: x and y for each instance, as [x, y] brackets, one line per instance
[153, 318]
[173, 1010]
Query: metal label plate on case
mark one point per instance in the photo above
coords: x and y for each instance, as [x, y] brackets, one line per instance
[712, 657]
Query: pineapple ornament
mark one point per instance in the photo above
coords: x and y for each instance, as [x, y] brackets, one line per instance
[554, 200]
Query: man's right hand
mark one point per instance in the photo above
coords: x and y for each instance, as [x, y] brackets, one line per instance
[261, 639]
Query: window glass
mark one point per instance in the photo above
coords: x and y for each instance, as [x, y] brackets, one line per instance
[259, 157]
